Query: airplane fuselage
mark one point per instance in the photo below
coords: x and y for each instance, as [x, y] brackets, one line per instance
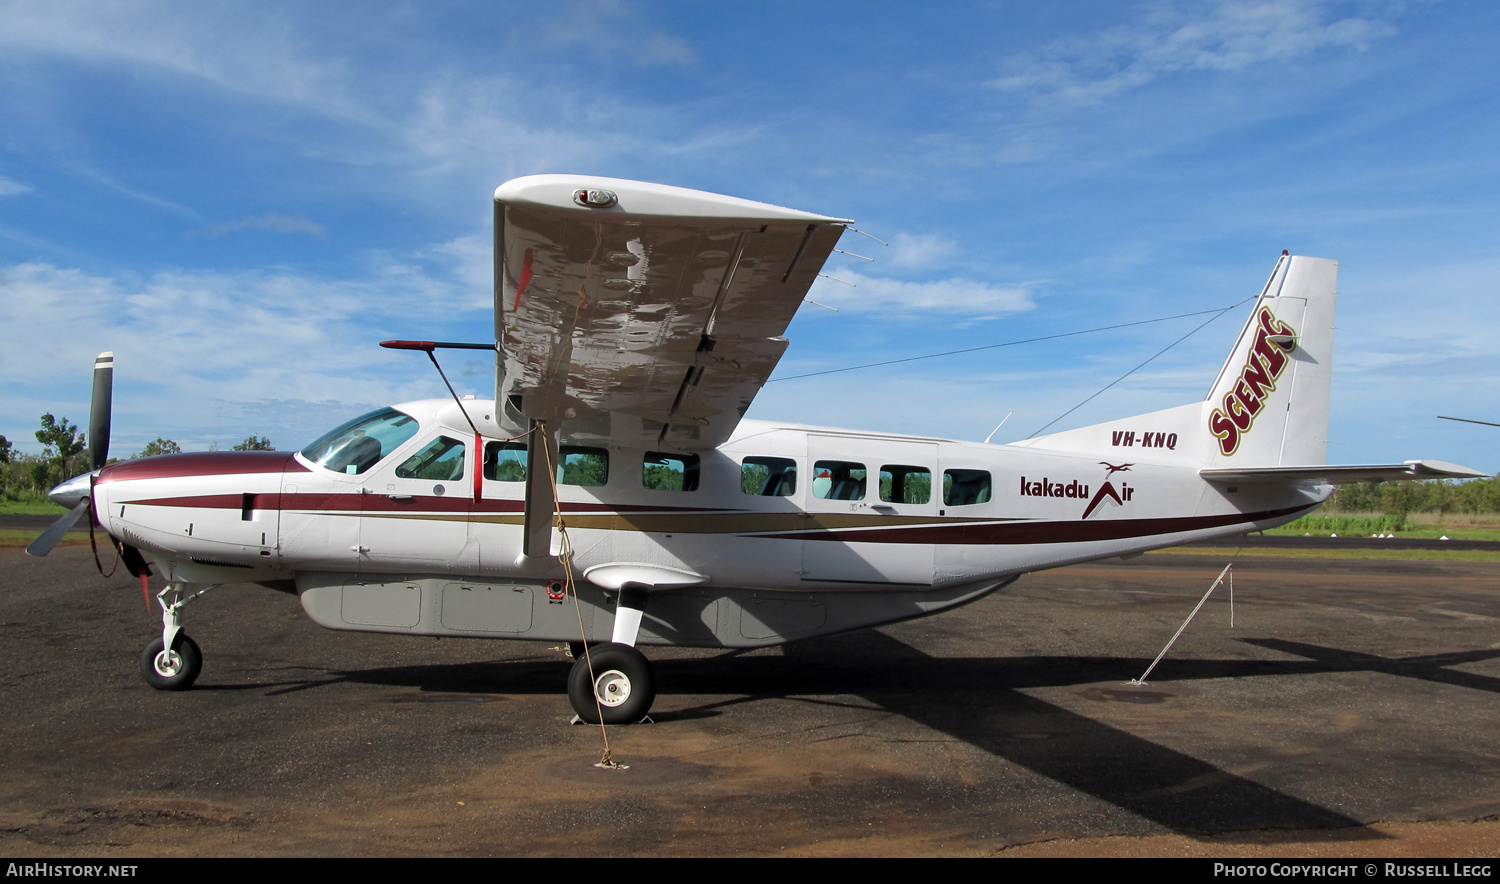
[784, 532]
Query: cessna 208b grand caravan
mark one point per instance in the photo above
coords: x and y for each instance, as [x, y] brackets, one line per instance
[634, 324]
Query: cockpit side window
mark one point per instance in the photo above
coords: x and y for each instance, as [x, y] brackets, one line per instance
[442, 460]
[358, 445]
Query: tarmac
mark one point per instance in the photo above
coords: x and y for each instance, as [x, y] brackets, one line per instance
[1351, 710]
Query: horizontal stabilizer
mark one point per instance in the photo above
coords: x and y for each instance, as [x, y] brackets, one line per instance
[1346, 475]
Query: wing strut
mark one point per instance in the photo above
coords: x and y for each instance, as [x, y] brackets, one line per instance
[536, 526]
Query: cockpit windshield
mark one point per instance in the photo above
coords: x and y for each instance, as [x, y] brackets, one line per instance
[360, 444]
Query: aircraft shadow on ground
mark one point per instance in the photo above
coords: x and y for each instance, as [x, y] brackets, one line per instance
[979, 701]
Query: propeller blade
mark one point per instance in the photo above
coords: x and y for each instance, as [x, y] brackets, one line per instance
[104, 381]
[49, 538]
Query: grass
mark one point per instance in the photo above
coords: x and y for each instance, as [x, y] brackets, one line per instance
[13, 539]
[1429, 526]
[30, 508]
[1402, 555]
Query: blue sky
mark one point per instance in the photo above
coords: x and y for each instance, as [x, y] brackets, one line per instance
[240, 200]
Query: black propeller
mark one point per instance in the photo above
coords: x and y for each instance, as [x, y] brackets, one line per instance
[77, 491]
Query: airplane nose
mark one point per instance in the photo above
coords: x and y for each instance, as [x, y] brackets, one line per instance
[72, 492]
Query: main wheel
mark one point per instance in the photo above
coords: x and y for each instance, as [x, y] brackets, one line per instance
[173, 670]
[622, 686]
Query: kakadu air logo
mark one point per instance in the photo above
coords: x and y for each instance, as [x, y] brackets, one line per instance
[1268, 358]
[1107, 492]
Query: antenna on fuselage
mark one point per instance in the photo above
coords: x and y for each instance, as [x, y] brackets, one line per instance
[998, 426]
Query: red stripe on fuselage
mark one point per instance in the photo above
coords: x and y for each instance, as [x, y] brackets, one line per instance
[363, 503]
[201, 463]
[1010, 533]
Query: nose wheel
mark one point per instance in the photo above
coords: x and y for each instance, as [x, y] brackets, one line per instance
[620, 687]
[172, 662]
[173, 669]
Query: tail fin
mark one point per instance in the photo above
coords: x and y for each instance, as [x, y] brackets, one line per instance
[1269, 404]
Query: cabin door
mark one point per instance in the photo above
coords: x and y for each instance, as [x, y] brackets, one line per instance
[869, 501]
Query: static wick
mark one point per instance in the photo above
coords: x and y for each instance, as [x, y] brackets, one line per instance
[852, 255]
[816, 304]
[862, 233]
[836, 279]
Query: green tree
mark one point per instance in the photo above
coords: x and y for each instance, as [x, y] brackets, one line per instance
[62, 443]
[255, 443]
[160, 446]
[62, 439]
[6, 450]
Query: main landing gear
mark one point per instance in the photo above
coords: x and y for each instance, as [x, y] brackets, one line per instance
[173, 661]
[619, 688]
[613, 683]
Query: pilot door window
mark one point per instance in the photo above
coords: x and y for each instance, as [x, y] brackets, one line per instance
[768, 476]
[442, 460]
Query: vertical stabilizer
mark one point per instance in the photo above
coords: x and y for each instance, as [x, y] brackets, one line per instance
[1269, 404]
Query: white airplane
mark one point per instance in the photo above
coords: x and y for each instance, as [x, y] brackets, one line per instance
[634, 324]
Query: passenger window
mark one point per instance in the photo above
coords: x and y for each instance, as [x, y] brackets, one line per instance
[905, 484]
[965, 487]
[582, 466]
[505, 462]
[838, 480]
[768, 476]
[670, 472]
[441, 461]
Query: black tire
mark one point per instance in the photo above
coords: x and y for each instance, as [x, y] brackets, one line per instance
[174, 672]
[623, 686]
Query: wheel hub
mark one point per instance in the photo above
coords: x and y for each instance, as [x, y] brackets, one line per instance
[168, 663]
[612, 688]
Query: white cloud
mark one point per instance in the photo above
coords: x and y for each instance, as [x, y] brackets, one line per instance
[433, 123]
[194, 348]
[613, 24]
[947, 298]
[1230, 37]
[921, 251]
[272, 221]
[12, 188]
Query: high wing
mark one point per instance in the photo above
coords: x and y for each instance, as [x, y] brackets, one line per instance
[639, 314]
[1345, 475]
